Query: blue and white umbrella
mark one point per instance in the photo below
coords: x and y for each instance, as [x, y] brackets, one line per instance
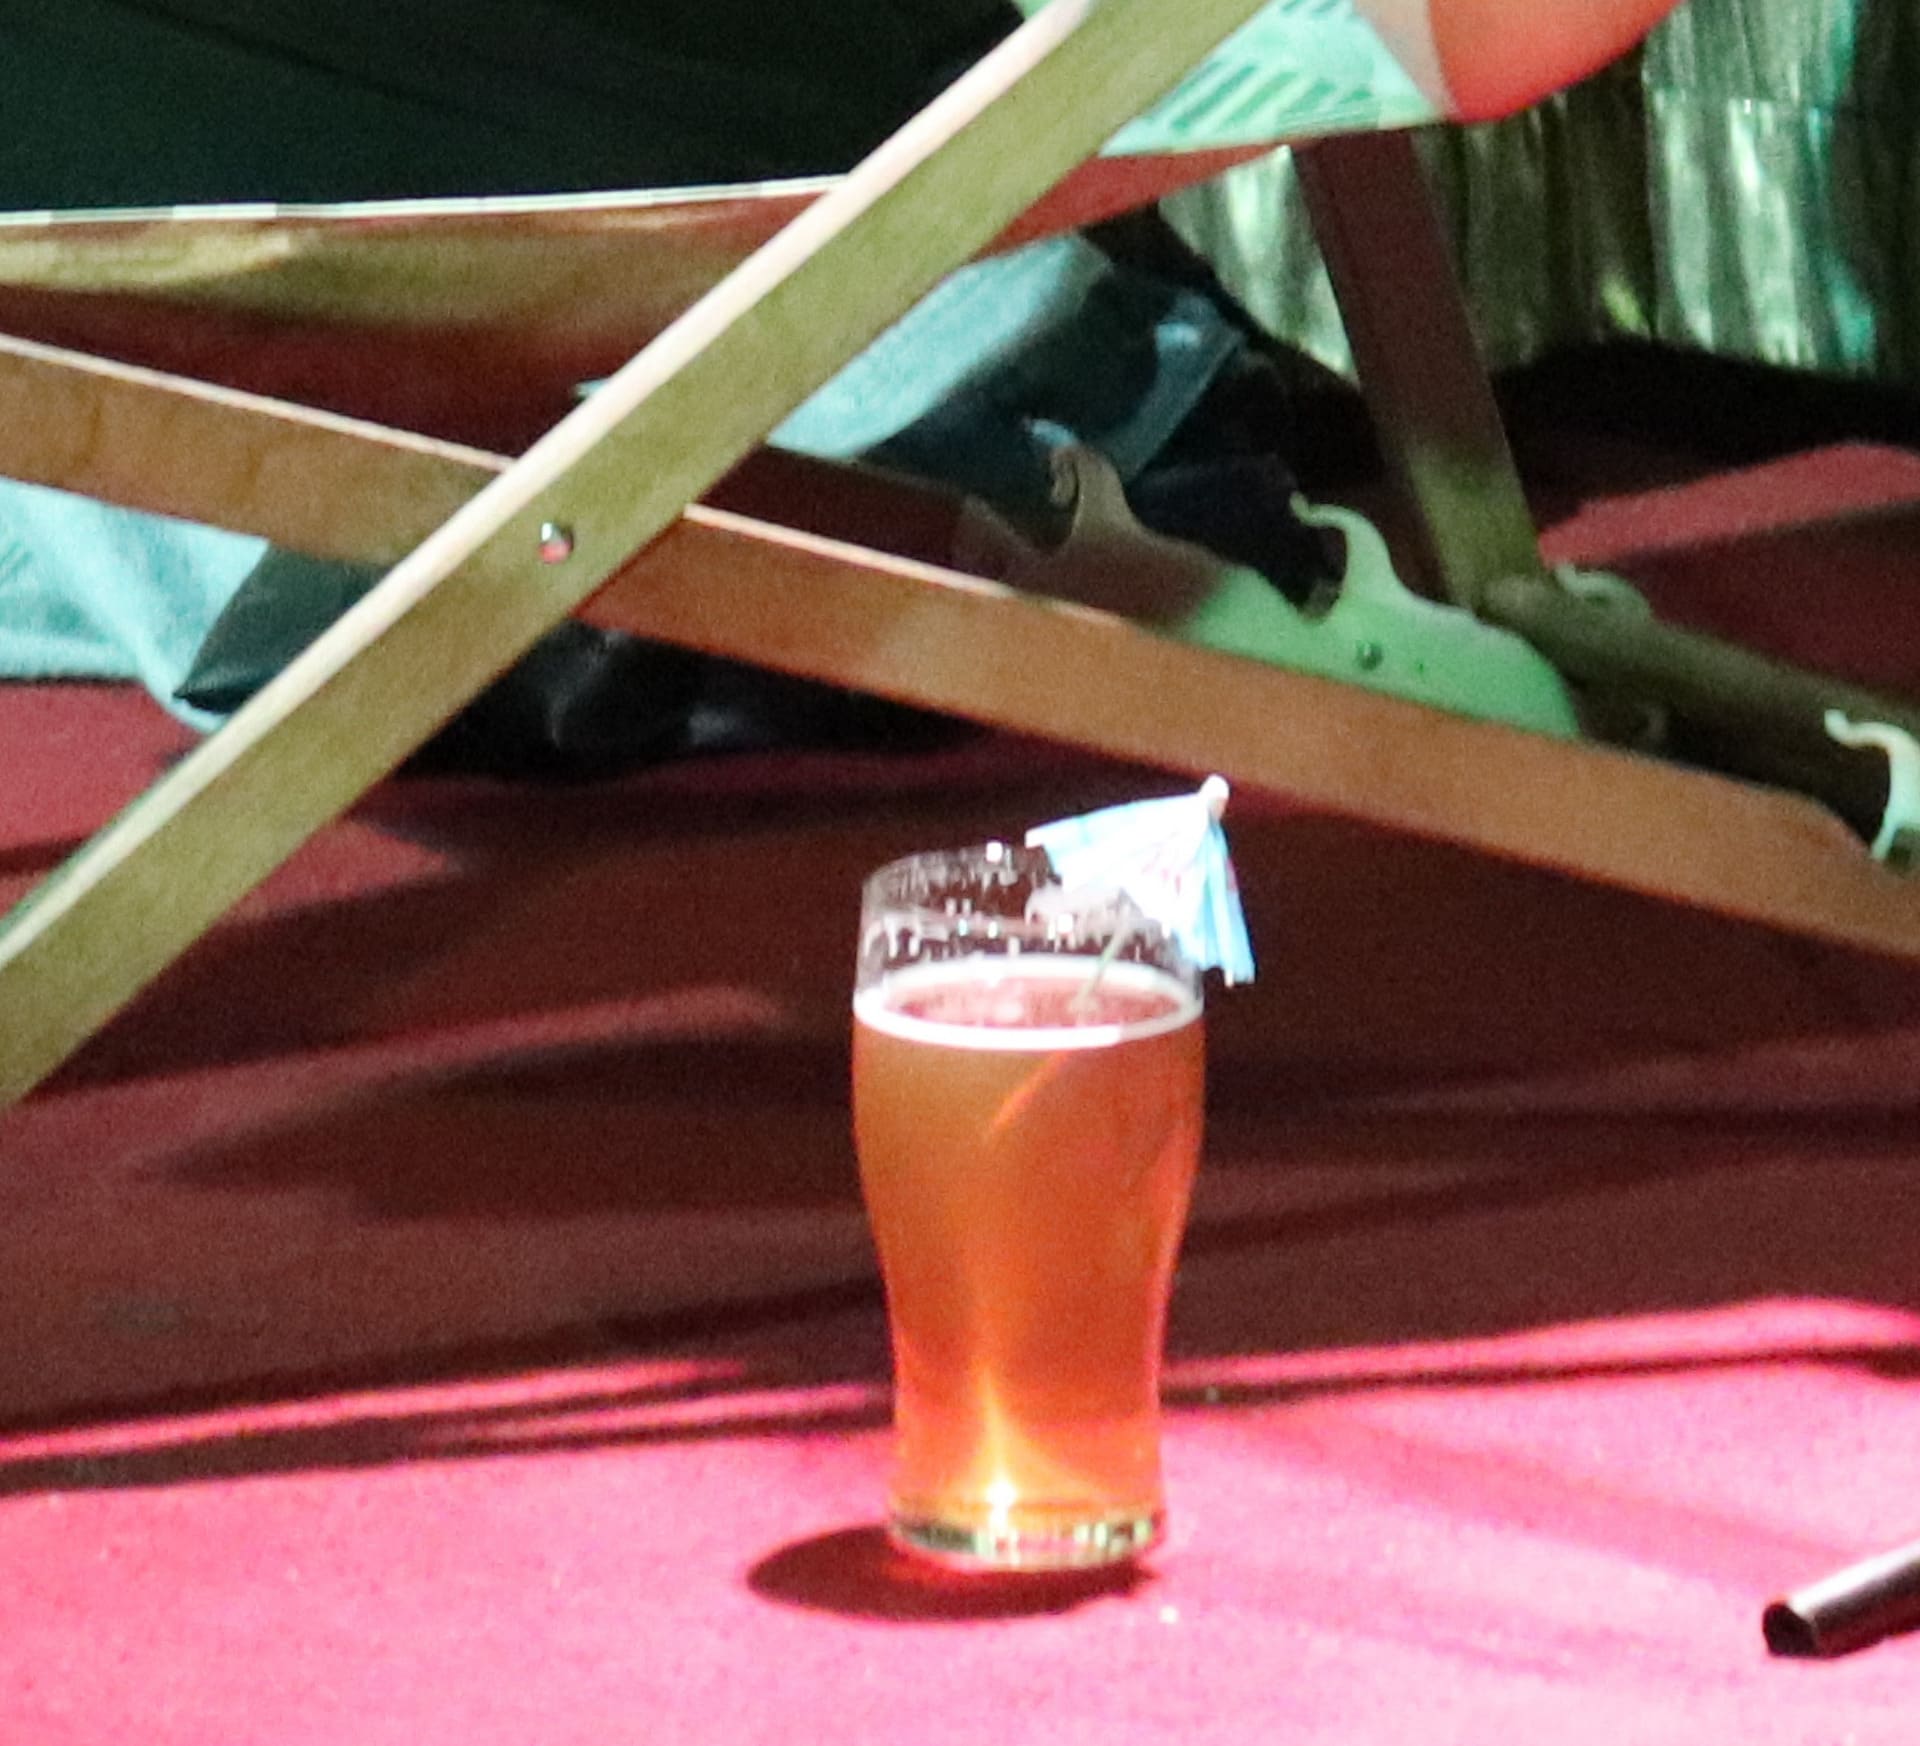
[1169, 858]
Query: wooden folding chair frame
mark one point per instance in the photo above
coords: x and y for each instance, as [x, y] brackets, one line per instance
[603, 516]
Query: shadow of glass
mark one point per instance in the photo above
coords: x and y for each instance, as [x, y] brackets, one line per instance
[858, 1573]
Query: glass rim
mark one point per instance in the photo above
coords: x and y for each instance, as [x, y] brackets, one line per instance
[991, 851]
[888, 898]
[932, 890]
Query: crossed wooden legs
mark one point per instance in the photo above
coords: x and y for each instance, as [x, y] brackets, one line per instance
[531, 541]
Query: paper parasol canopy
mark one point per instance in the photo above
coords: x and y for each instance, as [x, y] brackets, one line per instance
[1169, 858]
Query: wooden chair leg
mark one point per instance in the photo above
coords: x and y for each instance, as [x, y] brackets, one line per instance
[1419, 363]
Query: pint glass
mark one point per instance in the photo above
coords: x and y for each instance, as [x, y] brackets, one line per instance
[1027, 1089]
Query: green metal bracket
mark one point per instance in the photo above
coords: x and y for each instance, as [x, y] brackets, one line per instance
[1372, 631]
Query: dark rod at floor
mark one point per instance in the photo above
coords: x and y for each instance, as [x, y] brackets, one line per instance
[1875, 1598]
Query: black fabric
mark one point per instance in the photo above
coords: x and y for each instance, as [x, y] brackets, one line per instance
[157, 102]
[583, 702]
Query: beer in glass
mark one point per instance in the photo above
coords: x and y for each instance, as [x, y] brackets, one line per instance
[1027, 1090]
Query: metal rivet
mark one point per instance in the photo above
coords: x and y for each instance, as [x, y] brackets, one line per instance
[556, 542]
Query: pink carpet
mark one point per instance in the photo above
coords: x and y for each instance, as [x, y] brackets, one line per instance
[441, 1311]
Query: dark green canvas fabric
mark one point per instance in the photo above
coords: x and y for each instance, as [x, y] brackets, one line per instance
[155, 102]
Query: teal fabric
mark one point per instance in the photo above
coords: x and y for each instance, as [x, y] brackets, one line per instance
[92, 592]
[1013, 353]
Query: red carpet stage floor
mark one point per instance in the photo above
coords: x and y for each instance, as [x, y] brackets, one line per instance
[441, 1311]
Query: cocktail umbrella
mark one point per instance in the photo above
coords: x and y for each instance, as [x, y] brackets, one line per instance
[1168, 857]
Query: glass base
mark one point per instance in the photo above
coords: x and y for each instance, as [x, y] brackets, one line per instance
[1083, 1544]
